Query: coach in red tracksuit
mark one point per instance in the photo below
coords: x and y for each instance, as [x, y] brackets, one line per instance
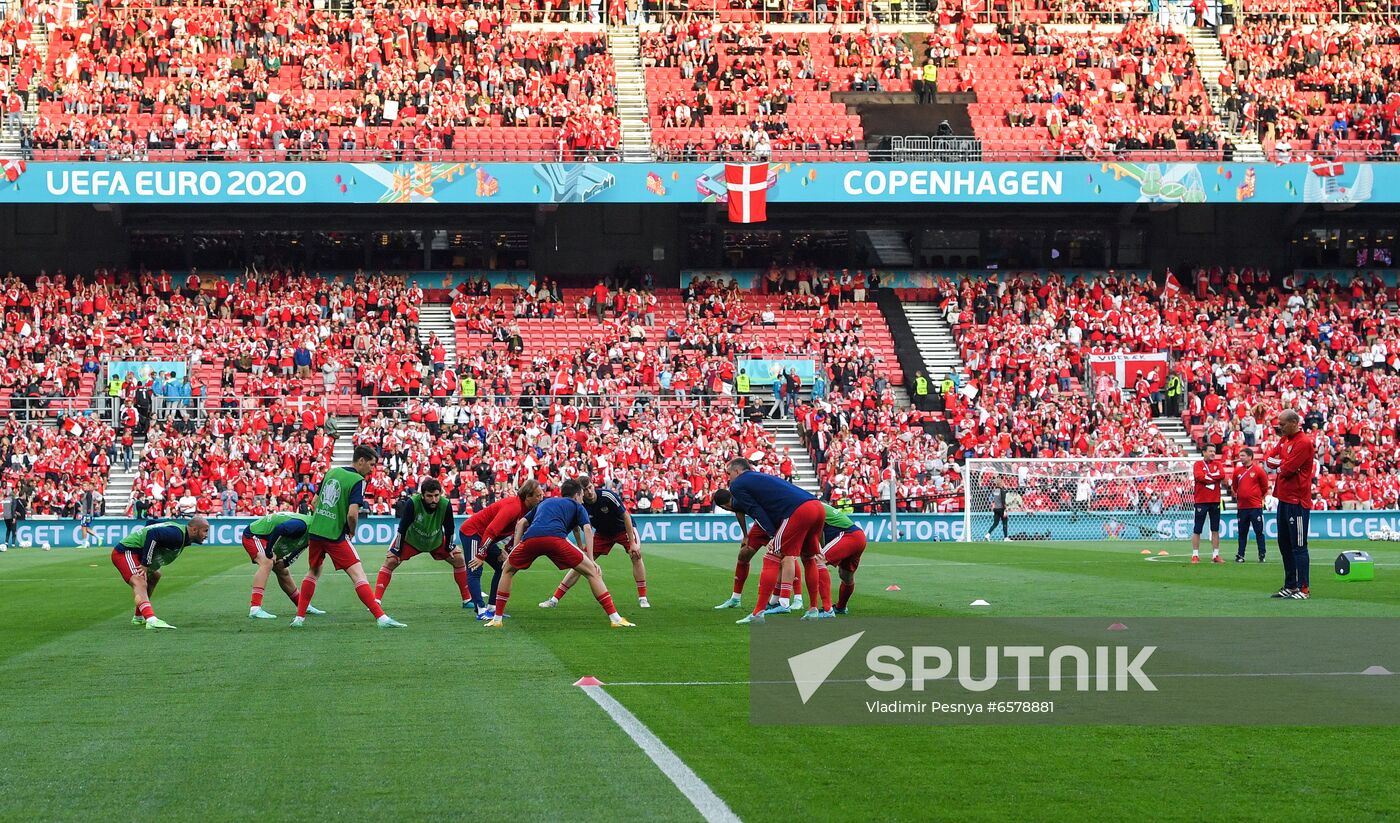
[1250, 485]
[1208, 476]
[1292, 458]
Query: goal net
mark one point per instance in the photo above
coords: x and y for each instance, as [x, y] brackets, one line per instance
[1078, 498]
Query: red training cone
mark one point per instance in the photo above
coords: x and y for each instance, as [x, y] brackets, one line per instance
[1117, 627]
[588, 680]
[892, 588]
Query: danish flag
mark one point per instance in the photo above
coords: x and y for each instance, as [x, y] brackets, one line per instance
[748, 191]
[1323, 167]
[13, 167]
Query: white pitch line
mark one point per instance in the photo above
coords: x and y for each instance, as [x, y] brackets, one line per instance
[700, 795]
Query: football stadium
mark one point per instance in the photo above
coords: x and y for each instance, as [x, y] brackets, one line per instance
[985, 410]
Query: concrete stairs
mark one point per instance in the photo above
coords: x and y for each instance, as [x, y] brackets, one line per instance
[9, 137]
[785, 436]
[120, 482]
[1210, 60]
[625, 43]
[346, 428]
[1174, 430]
[934, 337]
[890, 247]
[436, 318]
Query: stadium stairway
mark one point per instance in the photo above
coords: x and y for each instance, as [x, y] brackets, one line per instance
[890, 248]
[121, 482]
[9, 138]
[436, 318]
[786, 436]
[1210, 60]
[934, 337]
[625, 43]
[345, 429]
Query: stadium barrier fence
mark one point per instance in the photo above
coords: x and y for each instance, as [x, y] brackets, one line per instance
[722, 528]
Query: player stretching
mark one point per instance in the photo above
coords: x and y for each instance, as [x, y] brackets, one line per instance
[274, 542]
[794, 518]
[334, 515]
[1208, 474]
[1292, 457]
[843, 544]
[612, 525]
[755, 541]
[142, 554]
[543, 533]
[1250, 485]
[425, 527]
[486, 535]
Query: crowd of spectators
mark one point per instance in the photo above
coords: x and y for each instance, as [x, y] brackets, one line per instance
[297, 81]
[51, 463]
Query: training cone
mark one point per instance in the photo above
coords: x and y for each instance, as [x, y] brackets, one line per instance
[1117, 627]
[1381, 670]
[980, 603]
[588, 680]
[1163, 553]
[892, 588]
[1147, 551]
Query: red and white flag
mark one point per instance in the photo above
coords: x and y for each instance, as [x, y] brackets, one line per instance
[1172, 287]
[72, 426]
[748, 191]
[13, 167]
[1327, 168]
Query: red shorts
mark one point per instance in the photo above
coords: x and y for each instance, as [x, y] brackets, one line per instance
[845, 551]
[254, 547]
[341, 552]
[757, 538]
[564, 554]
[127, 563]
[405, 551]
[801, 533]
[602, 544]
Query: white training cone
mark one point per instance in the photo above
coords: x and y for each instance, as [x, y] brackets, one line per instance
[980, 602]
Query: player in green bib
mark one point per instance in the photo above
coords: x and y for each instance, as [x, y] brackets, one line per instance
[141, 555]
[426, 526]
[274, 542]
[334, 515]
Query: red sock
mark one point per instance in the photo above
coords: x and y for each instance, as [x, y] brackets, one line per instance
[257, 596]
[460, 575]
[292, 595]
[501, 597]
[145, 609]
[382, 582]
[812, 571]
[824, 580]
[560, 592]
[784, 590]
[767, 582]
[797, 580]
[846, 589]
[741, 573]
[367, 597]
[308, 588]
[642, 588]
[605, 600]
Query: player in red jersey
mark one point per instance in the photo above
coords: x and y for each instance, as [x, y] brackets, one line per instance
[1292, 457]
[543, 533]
[486, 537]
[1250, 484]
[1209, 474]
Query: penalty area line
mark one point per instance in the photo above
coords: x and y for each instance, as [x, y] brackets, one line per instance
[700, 795]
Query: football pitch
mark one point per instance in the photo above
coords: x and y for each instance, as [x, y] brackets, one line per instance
[235, 719]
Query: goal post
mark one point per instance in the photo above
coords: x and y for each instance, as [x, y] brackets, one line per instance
[1086, 499]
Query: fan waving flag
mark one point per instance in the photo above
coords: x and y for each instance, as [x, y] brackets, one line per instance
[1323, 167]
[748, 191]
[1172, 286]
[12, 167]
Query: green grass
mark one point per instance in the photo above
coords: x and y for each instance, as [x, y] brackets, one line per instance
[232, 719]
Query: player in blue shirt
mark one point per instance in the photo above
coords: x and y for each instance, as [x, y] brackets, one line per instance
[544, 533]
[612, 526]
[792, 516]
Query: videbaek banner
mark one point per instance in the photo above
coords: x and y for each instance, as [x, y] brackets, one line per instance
[691, 183]
[721, 528]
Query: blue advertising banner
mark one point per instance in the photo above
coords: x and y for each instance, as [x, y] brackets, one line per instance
[679, 183]
[721, 528]
[762, 372]
[449, 280]
[145, 369]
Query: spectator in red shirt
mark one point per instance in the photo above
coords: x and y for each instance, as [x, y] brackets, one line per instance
[1208, 473]
[1250, 485]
